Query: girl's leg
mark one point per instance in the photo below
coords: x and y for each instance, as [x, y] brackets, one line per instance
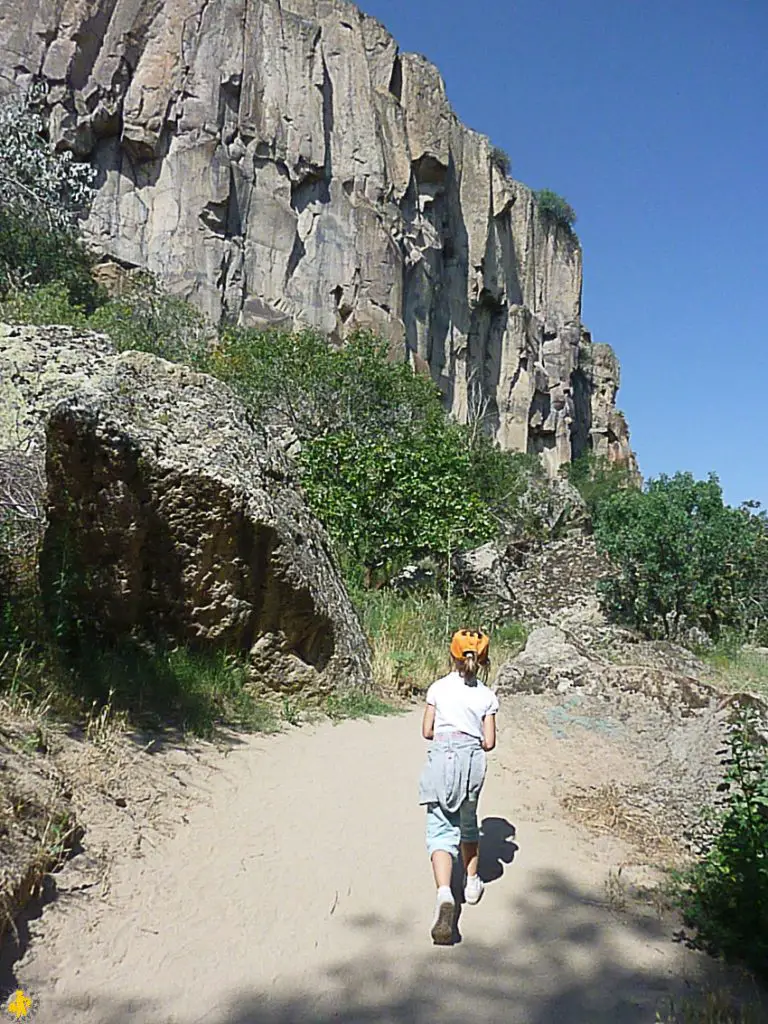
[470, 855]
[442, 866]
[443, 835]
[470, 835]
[470, 847]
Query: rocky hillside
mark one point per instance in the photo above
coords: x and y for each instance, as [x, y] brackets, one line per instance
[283, 163]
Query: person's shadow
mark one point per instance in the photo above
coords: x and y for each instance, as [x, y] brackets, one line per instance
[497, 848]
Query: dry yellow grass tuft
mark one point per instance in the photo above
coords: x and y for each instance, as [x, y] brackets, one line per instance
[608, 810]
[37, 825]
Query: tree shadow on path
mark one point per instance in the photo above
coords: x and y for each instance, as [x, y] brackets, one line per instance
[562, 956]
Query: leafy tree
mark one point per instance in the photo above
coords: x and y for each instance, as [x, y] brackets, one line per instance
[555, 207]
[391, 498]
[43, 195]
[683, 556]
[301, 381]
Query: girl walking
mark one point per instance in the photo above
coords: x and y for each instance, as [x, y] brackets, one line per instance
[460, 720]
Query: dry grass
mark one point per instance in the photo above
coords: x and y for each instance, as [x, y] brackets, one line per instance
[52, 780]
[103, 725]
[744, 670]
[37, 826]
[608, 810]
[409, 636]
[714, 1008]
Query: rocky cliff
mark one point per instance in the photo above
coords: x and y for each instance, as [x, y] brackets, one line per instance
[281, 162]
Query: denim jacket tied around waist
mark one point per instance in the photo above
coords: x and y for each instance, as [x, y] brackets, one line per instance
[454, 772]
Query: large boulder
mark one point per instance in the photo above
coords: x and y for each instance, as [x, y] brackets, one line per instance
[173, 514]
[549, 660]
[482, 574]
[563, 574]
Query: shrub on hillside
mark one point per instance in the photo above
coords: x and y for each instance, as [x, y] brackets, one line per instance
[683, 558]
[555, 208]
[596, 478]
[725, 895]
[43, 195]
[147, 319]
[383, 468]
[300, 381]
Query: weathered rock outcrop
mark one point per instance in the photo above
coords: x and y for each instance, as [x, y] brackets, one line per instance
[281, 162]
[655, 700]
[176, 518]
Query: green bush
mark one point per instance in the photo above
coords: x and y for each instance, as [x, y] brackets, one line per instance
[500, 159]
[45, 304]
[597, 479]
[715, 1006]
[389, 499]
[43, 195]
[724, 897]
[299, 380]
[147, 319]
[144, 319]
[555, 208]
[384, 469]
[683, 557]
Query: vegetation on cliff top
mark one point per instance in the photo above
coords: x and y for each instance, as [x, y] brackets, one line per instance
[555, 208]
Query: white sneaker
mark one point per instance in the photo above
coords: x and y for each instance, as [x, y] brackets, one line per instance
[442, 926]
[473, 889]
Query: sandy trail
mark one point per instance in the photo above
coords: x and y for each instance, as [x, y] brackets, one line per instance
[299, 890]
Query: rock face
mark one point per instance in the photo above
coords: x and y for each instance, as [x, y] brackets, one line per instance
[654, 707]
[281, 162]
[174, 515]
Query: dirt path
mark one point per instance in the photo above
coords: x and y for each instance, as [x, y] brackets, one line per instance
[299, 890]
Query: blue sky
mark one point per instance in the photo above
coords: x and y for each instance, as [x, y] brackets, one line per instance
[651, 119]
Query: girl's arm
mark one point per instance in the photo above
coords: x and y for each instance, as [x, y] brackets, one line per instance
[428, 722]
[489, 732]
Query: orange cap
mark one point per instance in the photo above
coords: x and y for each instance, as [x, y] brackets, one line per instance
[467, 640]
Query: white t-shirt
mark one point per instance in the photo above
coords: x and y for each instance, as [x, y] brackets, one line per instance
[459, 707]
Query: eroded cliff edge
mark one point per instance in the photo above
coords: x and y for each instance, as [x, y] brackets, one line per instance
[283, 163]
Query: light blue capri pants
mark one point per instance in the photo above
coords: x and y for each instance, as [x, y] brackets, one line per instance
[447, 829]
